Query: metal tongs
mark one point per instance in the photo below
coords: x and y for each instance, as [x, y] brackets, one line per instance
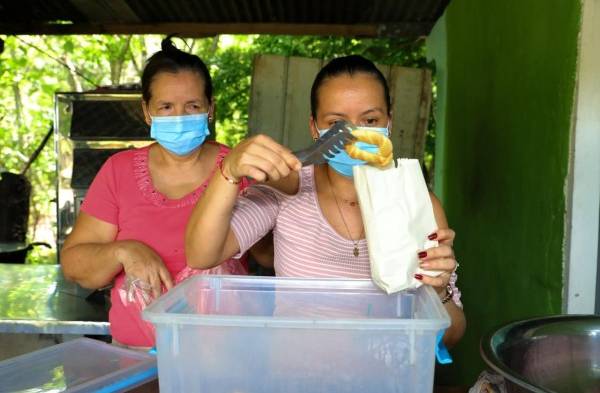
[328, 144]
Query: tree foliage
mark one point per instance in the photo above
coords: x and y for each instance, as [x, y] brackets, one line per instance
[33, 68]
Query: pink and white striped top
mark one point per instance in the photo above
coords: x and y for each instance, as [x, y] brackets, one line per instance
[305, 243]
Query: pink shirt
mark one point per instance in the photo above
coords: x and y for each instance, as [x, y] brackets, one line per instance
[122, 194]
[305, 243]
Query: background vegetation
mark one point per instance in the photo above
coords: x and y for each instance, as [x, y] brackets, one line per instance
[33, 68]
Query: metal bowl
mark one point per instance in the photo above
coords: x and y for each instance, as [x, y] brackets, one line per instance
[552, 354]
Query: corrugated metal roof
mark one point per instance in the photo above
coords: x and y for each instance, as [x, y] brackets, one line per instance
[351, 17]
[27, 11]
[286, 11]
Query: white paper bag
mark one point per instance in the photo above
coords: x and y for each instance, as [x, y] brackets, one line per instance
[398, 216]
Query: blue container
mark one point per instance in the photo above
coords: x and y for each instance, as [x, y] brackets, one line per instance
[81, 365]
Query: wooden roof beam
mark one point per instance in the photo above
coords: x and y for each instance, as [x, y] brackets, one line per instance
[210, 29]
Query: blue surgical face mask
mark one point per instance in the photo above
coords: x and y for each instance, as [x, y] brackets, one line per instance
[342, 163]
[180, 134]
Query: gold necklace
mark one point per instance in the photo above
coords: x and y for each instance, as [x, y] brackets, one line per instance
[355, 251]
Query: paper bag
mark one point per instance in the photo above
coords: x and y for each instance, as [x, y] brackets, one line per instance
[398, 216]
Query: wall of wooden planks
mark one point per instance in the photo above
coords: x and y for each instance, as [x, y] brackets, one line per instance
[280, 102]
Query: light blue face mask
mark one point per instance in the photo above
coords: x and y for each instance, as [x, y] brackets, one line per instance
[180, 134]
[342, 163]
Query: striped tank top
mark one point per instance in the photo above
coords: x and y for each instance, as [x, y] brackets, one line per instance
[305, 243]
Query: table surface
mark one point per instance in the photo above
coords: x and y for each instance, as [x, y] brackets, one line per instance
[12, 247]
[38, 299]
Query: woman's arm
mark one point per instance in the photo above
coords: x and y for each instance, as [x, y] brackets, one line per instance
[91, 256]
[442, 258]
[88, 254]
[209, 238]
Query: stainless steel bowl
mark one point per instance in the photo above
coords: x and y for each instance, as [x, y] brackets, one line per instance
[552, 354]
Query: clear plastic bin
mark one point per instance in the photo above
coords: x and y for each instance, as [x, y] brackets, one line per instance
[255, 335]
[81, 365]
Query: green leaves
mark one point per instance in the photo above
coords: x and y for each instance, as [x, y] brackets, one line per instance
[68, 46]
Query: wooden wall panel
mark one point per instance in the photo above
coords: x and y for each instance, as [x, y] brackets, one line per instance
[280, 102]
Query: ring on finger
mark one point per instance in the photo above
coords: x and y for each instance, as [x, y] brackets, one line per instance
[456, 267]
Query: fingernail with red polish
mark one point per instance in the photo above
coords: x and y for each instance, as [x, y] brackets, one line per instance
[422, 254]
[419, 276]
[433, 236]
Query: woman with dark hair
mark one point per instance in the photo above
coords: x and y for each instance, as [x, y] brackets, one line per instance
[313, 210]
[132, 221]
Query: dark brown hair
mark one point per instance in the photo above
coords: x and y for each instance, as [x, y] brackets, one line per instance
[347, 65]
[170, 59]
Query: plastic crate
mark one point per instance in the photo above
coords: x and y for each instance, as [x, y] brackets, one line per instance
[80, 365]
[254, 334]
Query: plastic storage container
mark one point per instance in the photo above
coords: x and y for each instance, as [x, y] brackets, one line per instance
[252, 334]
[81, 365]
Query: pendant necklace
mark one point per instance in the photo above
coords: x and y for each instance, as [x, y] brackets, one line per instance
[355, 251]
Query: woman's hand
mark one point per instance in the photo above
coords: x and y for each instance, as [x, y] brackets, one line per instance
[141, 262]
[440, 258]
[260, 158]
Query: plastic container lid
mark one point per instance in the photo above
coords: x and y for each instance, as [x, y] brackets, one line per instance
[81, 365]
[314, 303]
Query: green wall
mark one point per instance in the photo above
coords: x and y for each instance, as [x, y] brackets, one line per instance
[508, 87]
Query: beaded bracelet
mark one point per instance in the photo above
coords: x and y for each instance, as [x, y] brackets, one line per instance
[449, 294]
[230, 181]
